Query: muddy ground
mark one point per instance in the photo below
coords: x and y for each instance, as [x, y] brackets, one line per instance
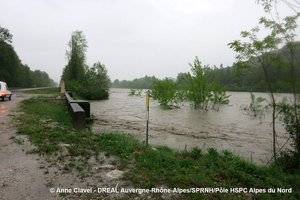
[31, 176]
[21, 176]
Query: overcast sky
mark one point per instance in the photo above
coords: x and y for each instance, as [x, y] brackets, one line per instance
[132, 38]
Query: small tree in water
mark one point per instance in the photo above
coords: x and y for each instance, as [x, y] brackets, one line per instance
[264, 53]
[166, 93]
[201, 90]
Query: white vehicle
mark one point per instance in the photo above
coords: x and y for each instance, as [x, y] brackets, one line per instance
[4, 91]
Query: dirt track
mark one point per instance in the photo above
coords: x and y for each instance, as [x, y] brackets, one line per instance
[30, 176]
[21, 176]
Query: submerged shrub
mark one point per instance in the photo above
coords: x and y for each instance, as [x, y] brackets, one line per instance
[165, 92]
[132, 91]
[201, 88]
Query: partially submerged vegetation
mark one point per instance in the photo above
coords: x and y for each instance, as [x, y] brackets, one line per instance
[196, 87]
[262, 52]
[235, 78]
[136, 92]
[166, 94]
[48, 126]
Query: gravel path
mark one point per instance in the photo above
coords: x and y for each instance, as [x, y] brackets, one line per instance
[32, 177]
[20, 174]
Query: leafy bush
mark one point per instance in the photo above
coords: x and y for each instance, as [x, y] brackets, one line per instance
[200, 90]
[165, 92]
[132, 91]
[290, 115]
[95, 84]
[137, 92]
[86, 82]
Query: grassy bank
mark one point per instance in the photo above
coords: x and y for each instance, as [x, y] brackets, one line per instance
[51, 91]
[48, 126]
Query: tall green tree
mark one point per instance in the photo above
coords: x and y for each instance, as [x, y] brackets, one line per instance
[264, 53]
[89, 83]
[285, 29]
[76, 57]
[254, 51]
[12, 71]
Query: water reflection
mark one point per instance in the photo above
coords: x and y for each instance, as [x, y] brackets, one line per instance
[2, 108]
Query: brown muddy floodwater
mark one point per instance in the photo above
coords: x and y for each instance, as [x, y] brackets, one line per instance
[229, 128]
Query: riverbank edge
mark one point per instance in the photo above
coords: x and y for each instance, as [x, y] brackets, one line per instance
[156, 166]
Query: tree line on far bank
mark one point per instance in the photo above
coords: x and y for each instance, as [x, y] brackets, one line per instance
[232, 78]
[13, 71]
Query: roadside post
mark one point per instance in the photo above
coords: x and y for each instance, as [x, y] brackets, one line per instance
[62, 89]
[147, 106]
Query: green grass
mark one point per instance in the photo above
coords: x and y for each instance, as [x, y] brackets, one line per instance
[153, 166]
[17, 140]
[51, 91]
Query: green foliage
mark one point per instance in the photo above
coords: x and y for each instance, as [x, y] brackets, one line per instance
[289, 115]
[132, 91]
[220, 97]
[76, 57]
[96, 82]
[153, 167]
[137, 92]
[265, 54]
[256, 107]
[203, 93]
[249, 75]
[45, 110]
[242, 76]
[289, 162]
[54, 91]
[163, 166]
[200, 87]
[5, 35]
[260, 52]
[41, 79]
[165, 92]
[139, 83]
[87, 82]
[47, 137]
[13, 72]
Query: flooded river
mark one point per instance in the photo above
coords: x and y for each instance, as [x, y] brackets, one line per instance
[229, 128]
